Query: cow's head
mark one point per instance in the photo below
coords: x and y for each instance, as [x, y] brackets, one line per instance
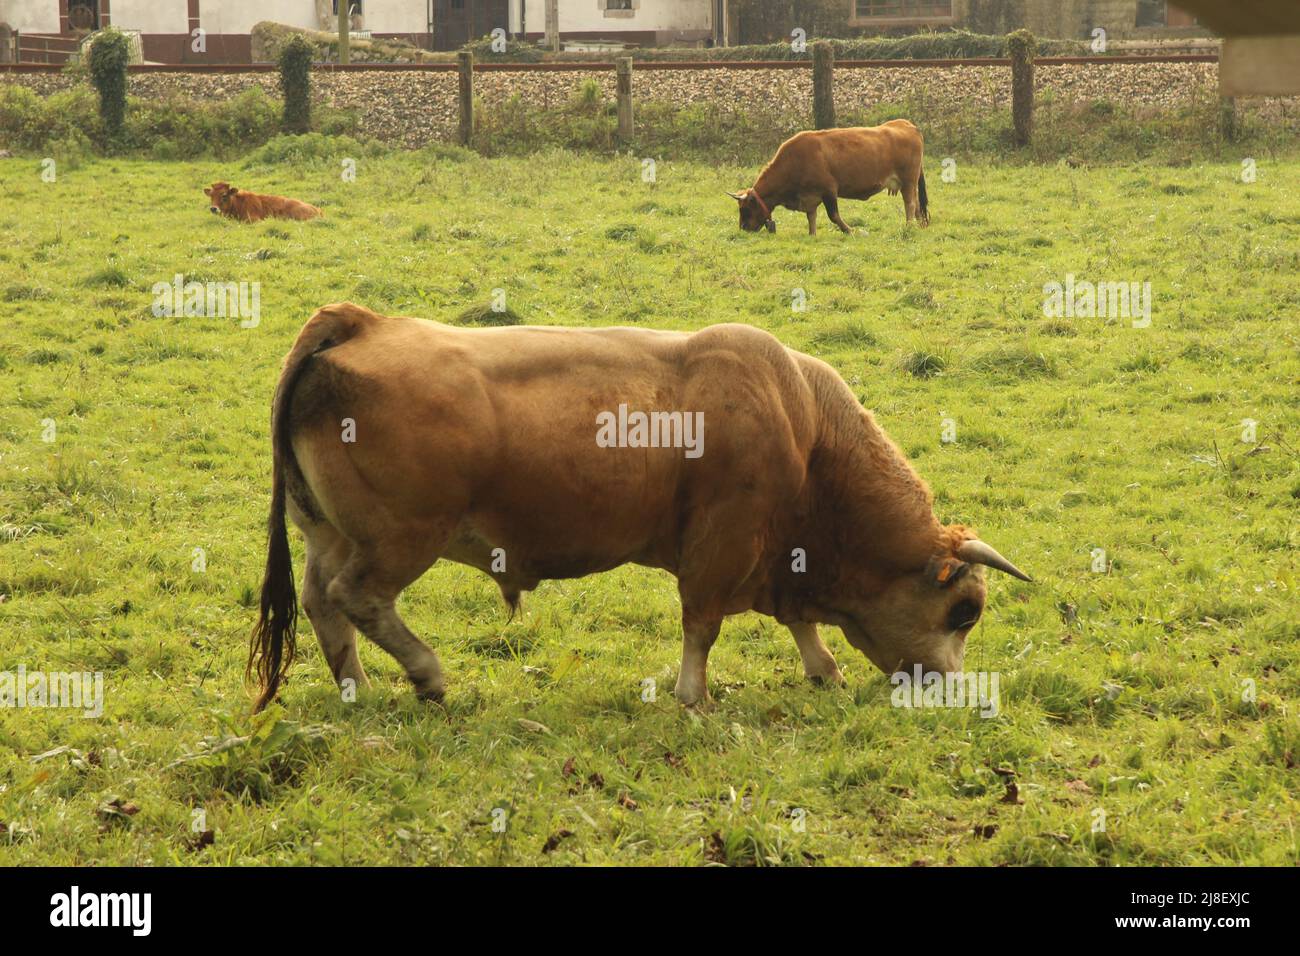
[923, 617]
[219, 196]
[754, 213]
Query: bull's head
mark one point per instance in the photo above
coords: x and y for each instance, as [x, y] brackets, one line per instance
[219, 196]
[924, 617]
[754, 215]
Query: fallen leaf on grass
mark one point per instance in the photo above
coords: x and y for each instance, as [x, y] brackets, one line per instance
[715, 850]
[115, 810]
[533, 726]
[554, 839]
[625, 801]
[1078, 786]
[200, 840]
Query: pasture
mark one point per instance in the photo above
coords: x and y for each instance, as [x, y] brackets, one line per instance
[1147, 708]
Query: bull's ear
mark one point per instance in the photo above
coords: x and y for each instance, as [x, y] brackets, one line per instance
[232, 190]
[207, 190]
[739, 197]
[942, 572]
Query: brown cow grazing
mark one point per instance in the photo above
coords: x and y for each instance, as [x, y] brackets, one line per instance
[748, 470]
[240, 204]
[821, 167]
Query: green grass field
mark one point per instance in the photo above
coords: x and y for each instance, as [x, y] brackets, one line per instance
[1148, 713]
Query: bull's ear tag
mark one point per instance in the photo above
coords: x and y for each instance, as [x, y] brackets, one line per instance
[944, 572]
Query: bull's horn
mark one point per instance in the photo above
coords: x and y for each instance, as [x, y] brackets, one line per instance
[977, 552]
[739, 197]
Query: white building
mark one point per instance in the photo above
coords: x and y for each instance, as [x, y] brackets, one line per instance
[167, 26]
[642, 22]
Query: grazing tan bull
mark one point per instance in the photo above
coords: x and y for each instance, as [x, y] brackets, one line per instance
[821, 167]
[747, 469]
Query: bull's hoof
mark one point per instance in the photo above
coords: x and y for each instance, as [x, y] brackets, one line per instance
[831, 679]
[694, 701]
[432, 695]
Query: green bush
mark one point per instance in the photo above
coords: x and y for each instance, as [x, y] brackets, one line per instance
[310, 148]
[175, 128]
[32, 122]
[948, 45]
[295, 80]
[516, 51]
[181, 129]
[109, 54]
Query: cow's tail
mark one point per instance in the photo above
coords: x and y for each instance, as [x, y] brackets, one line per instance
[920, 195]
[272, 645]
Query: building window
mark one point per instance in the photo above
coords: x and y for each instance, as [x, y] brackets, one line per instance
[354, 7]
[83, 14]
[1151, 13]
[618, 4]
[901, 9]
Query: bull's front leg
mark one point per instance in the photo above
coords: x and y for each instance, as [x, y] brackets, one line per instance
[818, 663]
[698, 634]
[812, 221]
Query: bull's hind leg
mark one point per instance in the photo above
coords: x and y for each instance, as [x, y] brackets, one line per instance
[818, 663]
[367, 588]
[911, 204]
[327, 551]
[833, 210]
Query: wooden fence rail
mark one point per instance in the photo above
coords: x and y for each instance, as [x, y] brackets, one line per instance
[822, 63]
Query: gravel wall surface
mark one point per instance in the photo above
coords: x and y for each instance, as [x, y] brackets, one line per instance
[414, 108]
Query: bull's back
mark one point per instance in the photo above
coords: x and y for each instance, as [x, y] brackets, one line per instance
[857, 161]
[504, 427]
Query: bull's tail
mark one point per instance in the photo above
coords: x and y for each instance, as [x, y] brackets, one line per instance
[272, 645]
[920, 195]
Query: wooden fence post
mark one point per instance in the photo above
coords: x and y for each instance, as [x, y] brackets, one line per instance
[1228, 128]
[553, 25]
[343, 33]
[465, 63]
[823, 66]
[623, 68]
[1020, 45]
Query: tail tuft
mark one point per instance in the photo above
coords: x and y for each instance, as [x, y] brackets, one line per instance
[272, 645]
[925, 203]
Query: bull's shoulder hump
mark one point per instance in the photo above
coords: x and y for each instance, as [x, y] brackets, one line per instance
[747, 343]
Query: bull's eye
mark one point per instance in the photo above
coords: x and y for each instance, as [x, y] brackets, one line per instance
[962, 614]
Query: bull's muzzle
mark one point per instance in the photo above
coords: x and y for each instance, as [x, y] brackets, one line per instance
[213, 209]
[771, 226]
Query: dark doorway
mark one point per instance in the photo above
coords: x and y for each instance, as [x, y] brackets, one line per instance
[456, 22]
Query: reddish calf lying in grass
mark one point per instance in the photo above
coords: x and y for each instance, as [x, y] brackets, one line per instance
[240, 204]
[821, 167]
